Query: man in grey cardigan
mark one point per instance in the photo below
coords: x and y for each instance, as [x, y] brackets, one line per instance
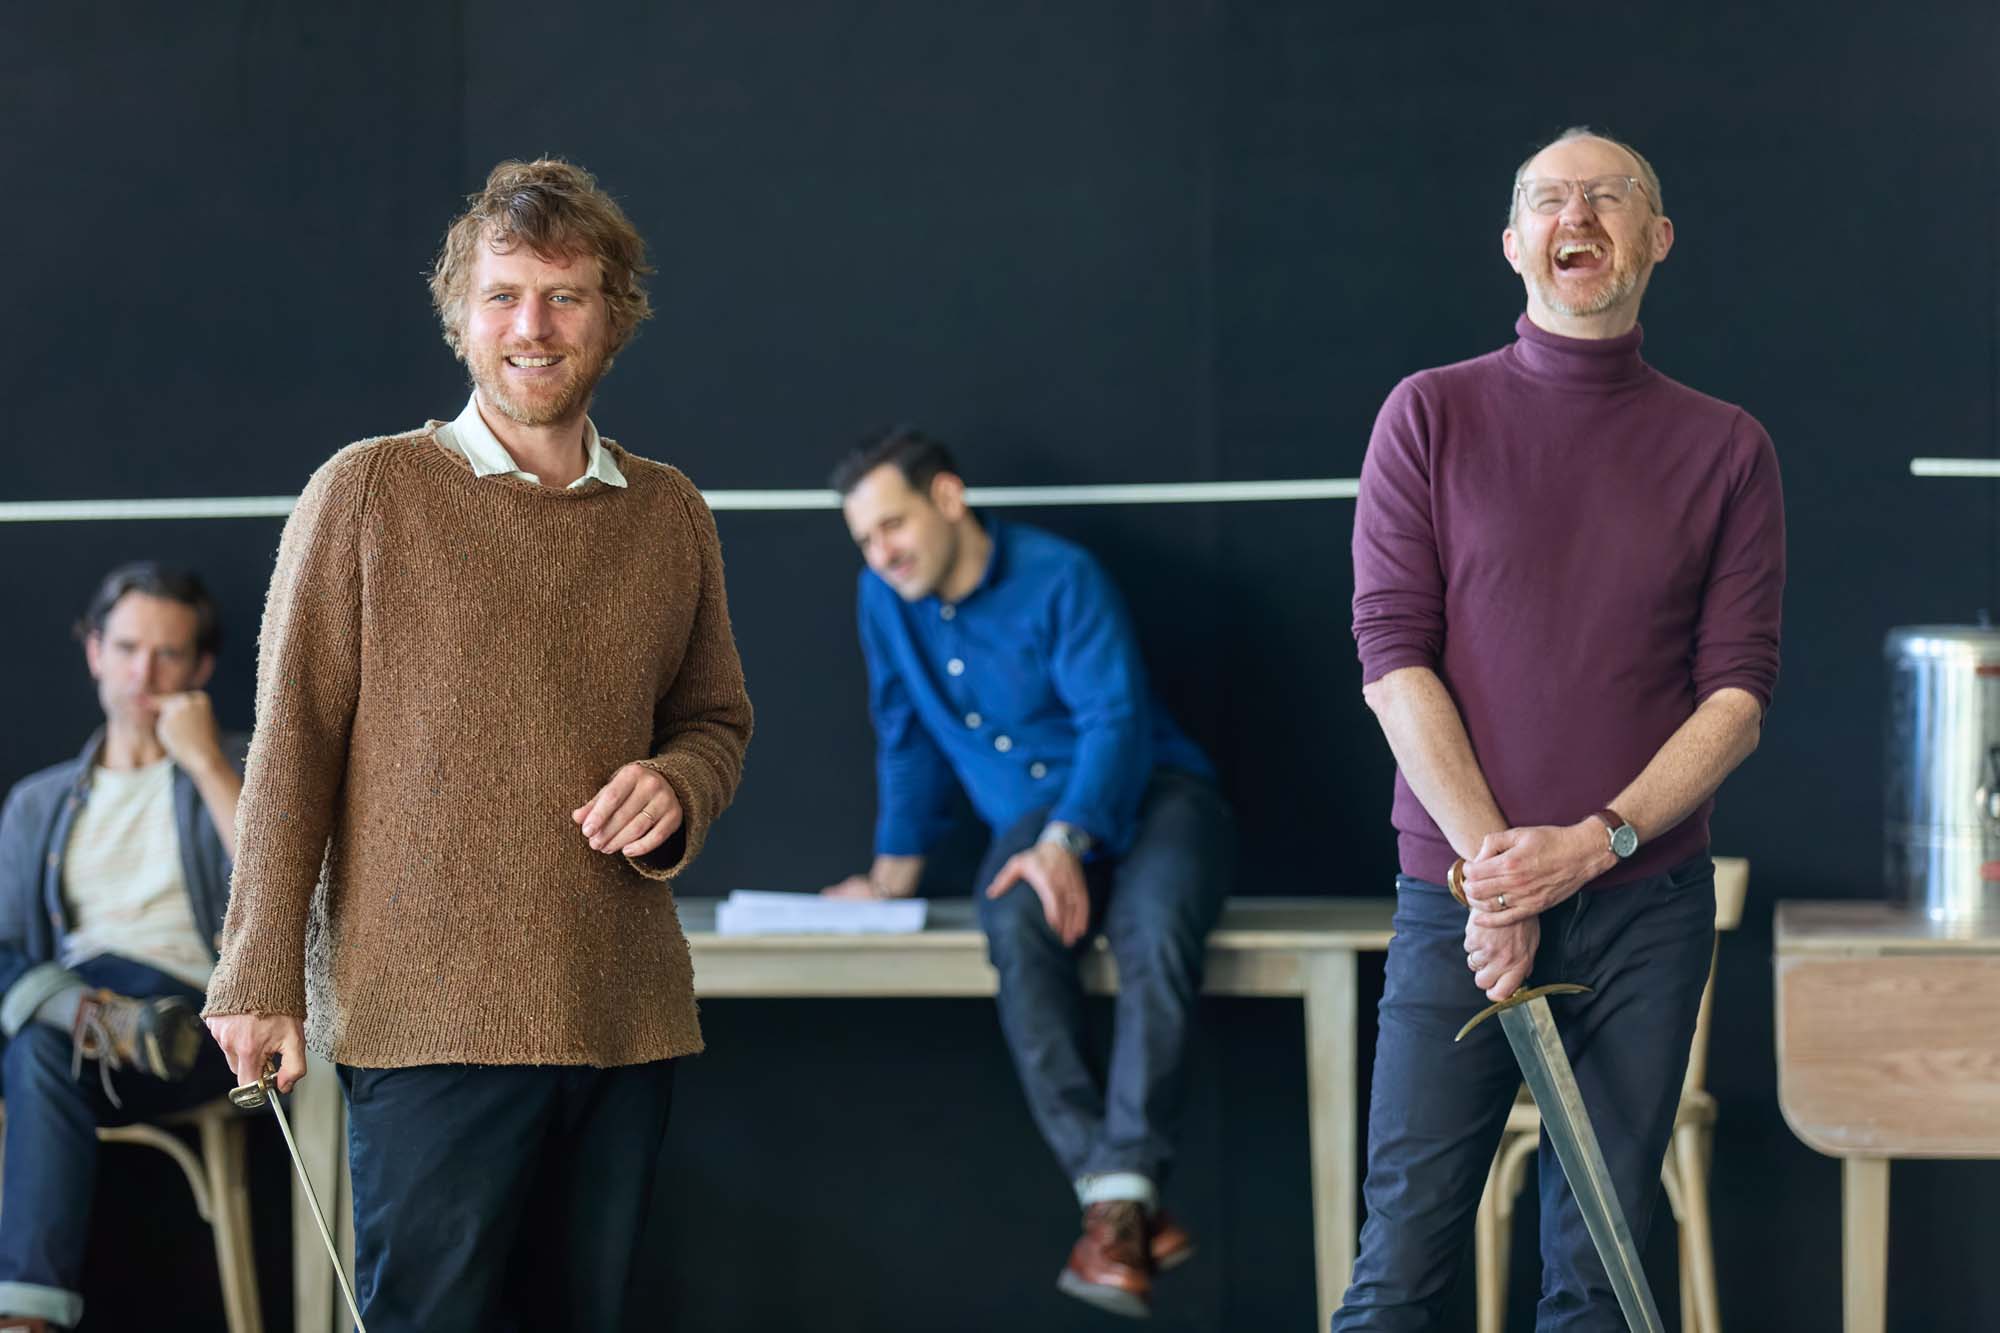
[114, 873]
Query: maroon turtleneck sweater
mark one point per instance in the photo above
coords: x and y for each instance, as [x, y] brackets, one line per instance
[1583, 550]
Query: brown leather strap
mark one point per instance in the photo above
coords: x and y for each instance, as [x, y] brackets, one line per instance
[1613, 821]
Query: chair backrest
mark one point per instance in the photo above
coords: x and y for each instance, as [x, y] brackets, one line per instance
[1732, 886]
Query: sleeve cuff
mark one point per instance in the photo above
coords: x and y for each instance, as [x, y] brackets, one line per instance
[26, 995]
[1377, 665]
[1757, 689]
[674, 855]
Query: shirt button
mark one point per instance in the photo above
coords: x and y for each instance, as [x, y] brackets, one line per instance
[1038, 770]
[947, 612]
[973, 720]
[956, 666]
[1003, 743]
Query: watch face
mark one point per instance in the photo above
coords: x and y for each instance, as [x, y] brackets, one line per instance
[1624, 841]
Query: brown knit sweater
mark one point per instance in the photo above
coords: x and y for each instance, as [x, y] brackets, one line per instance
[449, 666]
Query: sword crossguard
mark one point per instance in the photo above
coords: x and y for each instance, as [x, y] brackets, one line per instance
[1521, 997]
[252, 1096]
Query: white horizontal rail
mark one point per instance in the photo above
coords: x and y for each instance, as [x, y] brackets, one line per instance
[277, 506]
[1955, 467]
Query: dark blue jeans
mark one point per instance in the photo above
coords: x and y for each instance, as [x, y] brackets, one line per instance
[51, 1146]
[496, 1197]
[1437, 1110]
[1155, 906]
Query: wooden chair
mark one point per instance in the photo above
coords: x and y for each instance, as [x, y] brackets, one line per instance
[221, 1189]
[1684, 1172]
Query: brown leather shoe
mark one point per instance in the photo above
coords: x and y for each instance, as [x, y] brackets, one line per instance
[1109, 1266]
[160, 1036]
[1167, 1242]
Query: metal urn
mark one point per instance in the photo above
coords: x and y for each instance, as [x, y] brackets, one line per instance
[1942, 810]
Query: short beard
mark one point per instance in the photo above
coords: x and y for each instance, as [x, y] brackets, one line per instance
[571, 399]
[1613, 294]
[945, 568]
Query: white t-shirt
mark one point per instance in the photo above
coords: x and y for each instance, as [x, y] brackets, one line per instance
[122, 879]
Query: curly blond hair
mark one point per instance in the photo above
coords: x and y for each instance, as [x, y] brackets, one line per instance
[557, 210]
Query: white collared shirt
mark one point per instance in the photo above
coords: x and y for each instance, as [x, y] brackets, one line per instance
[471, 438]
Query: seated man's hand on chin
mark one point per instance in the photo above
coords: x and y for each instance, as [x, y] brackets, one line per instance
[1501, 957]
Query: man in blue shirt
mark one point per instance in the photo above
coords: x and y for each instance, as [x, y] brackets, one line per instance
[1000, 658]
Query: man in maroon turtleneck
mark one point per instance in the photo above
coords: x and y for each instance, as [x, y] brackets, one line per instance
[1567, 578]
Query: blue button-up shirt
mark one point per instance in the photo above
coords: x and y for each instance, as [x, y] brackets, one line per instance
[1030, 692]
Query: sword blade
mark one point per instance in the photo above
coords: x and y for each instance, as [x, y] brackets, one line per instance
[252, 1097]
[1531, 1031]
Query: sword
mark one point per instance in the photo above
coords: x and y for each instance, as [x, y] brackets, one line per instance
[1531, 1031]
[253, 1095]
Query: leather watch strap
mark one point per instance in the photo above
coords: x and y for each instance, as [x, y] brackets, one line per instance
[1618, 831]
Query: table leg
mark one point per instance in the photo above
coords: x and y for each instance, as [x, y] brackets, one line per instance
[318, 1119]
[1864, 1249]
[1330, 1110]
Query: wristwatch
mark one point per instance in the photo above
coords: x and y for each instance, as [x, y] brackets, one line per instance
[1624, 838]
[1068, 837]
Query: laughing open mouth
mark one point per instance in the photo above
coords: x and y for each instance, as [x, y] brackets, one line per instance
[532, 362]
[1574, 256]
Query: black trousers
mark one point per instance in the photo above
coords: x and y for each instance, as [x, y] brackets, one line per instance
[496, 1197]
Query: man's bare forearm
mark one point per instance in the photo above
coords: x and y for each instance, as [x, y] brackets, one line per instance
[1427, 736]
[1686, 771]
[896, 876]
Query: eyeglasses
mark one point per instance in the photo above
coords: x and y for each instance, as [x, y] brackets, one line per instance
[1546, 195]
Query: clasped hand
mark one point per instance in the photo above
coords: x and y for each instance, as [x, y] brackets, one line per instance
[1517, 875]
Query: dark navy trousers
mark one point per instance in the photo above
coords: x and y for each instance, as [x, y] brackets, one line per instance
[1438, 1108]
[1155, 907]
[501, 1197]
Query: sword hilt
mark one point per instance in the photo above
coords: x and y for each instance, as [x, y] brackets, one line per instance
[252, 1096]
[1522, 997]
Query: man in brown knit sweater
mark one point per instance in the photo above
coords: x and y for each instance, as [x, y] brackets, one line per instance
[498, 705]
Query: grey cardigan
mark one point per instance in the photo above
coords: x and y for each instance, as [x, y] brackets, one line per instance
[34, 833]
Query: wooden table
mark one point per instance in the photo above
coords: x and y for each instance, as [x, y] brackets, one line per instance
[1888, 1046]
[1300, 947]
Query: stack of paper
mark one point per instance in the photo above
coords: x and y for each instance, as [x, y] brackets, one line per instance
[746, 912]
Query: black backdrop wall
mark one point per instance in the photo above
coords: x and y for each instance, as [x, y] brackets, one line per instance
[1087, 243]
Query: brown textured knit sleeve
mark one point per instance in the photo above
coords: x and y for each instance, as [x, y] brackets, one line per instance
[701, 725]
[308, 678]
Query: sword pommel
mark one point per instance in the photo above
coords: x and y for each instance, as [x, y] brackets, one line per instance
[1518, 997]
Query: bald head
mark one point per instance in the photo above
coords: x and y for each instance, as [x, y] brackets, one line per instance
[1634, 163]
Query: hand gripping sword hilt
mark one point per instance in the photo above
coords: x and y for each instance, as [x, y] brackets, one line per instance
[252, 1096]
